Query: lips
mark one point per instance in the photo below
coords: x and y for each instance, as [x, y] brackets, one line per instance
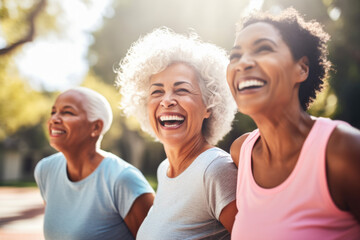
[250, 84]
[171, 120]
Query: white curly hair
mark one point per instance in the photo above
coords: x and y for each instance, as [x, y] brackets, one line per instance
[159, 49]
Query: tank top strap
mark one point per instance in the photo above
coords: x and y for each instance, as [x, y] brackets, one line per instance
[247, 146]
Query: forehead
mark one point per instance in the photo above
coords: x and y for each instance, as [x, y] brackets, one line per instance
[174, 73]
[256, 31]
[70, 98]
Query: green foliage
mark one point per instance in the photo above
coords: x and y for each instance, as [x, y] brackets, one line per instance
[20, 106]
[152, 180]
[19, 184]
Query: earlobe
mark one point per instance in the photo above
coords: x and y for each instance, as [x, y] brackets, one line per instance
[97, 128]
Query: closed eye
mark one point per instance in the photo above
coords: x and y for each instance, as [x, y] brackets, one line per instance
[235, 56]
[155, 92]
[182, 90]
[264, 48]
[68, 112]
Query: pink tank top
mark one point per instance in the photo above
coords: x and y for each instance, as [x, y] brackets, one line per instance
[299, 208]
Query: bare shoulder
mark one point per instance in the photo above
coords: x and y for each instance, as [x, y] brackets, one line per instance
[343, 168]
[344, 143]
[236, 147]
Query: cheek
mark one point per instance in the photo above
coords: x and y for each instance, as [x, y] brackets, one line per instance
[230, 77]
[151, 111]
[229, 74]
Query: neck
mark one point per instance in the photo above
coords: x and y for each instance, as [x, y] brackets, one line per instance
[282, 133]
[181, 156]
[81, 164]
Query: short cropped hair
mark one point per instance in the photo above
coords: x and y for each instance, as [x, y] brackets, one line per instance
[96, 107]
[304, 39]
[159, 49]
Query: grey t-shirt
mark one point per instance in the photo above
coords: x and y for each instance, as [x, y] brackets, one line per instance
[93, 208]
[189, 205]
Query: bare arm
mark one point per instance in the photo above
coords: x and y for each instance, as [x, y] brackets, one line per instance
[138, 212]
[227, 215]
[343, 169]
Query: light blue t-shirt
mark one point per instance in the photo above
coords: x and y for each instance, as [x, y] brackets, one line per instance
[93, 208]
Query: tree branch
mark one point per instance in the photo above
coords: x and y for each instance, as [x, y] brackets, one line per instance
[30, 34]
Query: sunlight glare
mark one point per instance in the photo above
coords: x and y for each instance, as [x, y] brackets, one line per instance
[335, 13]
[254, 5]
[58, 61]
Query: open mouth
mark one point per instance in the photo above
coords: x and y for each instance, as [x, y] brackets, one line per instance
[55, 132]
[250, 84]
[171, 120]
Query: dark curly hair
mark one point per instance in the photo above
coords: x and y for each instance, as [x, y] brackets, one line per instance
[304, 39]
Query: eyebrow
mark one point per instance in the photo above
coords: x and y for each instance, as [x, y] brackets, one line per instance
[175, 84]
[264, 39]
[65, 107]
[157, 85]
[180, 82]
[238, 47]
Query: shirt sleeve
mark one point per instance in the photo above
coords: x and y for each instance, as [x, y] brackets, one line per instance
[130, 184]
[38, 179]
[220, 184]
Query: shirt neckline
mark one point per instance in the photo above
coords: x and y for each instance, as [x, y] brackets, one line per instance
[293, 173]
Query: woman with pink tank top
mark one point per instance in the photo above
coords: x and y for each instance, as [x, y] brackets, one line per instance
[298, 176]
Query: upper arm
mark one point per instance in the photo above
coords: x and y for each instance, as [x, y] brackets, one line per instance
[236, 147]
[227, 215]
[138, 212]
[343, 168]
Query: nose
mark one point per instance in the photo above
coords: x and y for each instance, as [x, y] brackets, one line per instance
[168, 101]
[55, 118]
[246, 62]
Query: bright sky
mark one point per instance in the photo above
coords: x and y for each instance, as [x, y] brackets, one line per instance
[56, 63]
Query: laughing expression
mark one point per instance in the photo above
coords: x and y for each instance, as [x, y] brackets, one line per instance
[262, 73]
[175, 106]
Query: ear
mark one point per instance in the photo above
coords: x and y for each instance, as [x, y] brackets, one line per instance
[96, 128]
[207, 114]
[303, 66]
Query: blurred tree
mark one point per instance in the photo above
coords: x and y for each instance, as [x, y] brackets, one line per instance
[28, 20]
[345, 54]
[20, 105]
[213, 20]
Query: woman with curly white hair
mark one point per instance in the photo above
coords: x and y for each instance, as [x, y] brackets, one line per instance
[175, 86]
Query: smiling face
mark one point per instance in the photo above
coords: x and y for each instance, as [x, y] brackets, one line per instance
[68, 125]
[262, 74]
[175, 106]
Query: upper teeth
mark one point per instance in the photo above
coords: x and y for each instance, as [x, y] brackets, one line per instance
[171, 118]
[56, 131]
[250, 83]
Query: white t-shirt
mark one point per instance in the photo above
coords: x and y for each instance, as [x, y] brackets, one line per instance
[189, 205]
[93, 208]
